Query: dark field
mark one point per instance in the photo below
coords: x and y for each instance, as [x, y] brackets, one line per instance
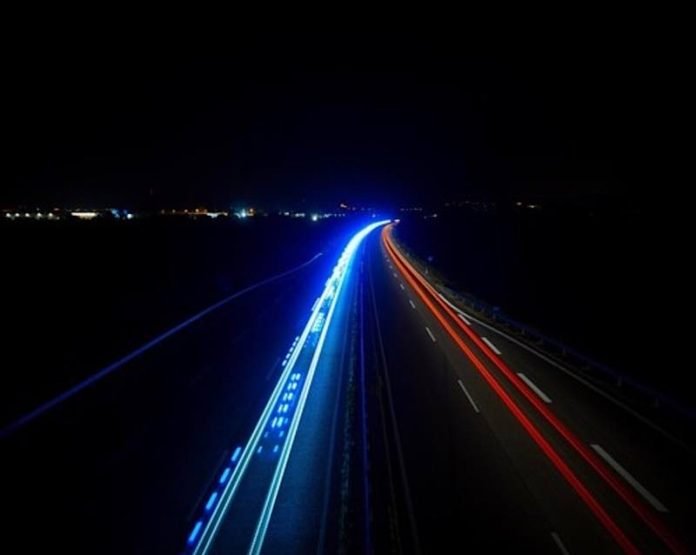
[78, 295]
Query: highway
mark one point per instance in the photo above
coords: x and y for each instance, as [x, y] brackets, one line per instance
[348, 407]
[524, 454]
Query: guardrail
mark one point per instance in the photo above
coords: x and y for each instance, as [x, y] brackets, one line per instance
[600, 374]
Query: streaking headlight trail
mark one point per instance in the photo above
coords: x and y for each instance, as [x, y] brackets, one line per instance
[270, 445]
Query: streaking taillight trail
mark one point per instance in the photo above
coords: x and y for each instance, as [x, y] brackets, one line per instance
[431, 298]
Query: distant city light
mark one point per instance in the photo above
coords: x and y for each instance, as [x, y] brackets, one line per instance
[411, 209]
[85, 215]
[244, 213]
[123, 214]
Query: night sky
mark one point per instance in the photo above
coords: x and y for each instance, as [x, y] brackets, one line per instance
[382, 118]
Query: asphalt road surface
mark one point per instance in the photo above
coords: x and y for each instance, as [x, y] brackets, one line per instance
[505, 450]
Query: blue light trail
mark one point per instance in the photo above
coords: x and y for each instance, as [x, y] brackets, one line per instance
[331, 296]
[308, 346]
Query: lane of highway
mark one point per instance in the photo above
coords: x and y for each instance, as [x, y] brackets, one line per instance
[528, 390]
[239, 517]
[307, 516]
[626, 439]
[465, 489]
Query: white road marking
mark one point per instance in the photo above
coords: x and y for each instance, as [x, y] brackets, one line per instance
[463, 318]
[493, 347]
[448, 303]
[534, 388]
[583, 381]
[571, 374]
[395, 274]
[559, 543]
[430, 334]
[402, 286]
[649, 497]
[468, 396]
[413, 306]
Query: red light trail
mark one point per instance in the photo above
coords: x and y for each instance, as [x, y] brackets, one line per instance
[427, 294]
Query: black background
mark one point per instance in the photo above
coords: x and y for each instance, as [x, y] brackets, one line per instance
[560, 105]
